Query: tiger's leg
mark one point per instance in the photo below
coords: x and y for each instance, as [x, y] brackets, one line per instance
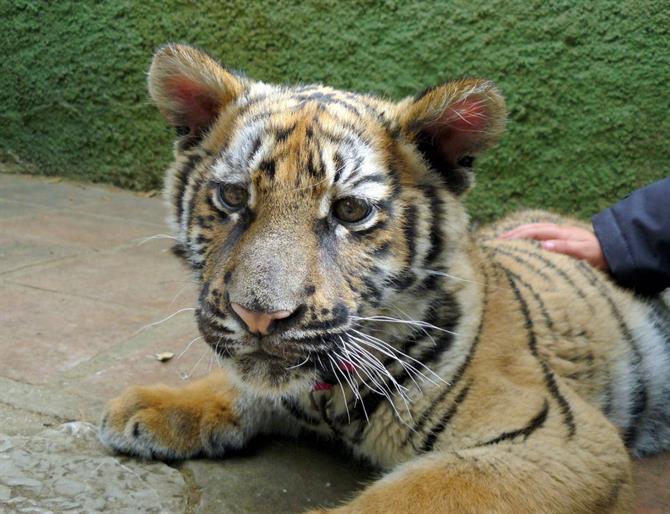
[589, 474]
[206, 417]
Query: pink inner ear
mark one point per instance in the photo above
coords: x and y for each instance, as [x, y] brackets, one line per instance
[198, 107]
[468, 115]
[459, 130]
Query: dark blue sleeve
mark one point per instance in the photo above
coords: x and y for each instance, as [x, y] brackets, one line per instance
[635, 238]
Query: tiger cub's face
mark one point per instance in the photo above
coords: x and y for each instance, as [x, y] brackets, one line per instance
[303, 209]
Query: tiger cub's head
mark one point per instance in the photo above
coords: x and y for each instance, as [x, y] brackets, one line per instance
[305, 210]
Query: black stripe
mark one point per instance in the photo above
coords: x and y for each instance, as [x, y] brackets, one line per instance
[551, 265]
[268, 166]
[183, 176]
[431, 438]
[436, 238]
[523, 262]
[312, 169]
[283, 133]
[205, 222]
[250, 103]
[338, 163]
[340, 314]
[607, 407]
[543, 309]
[550, 380]
[380, 223]
[343, 125]
[410, 229]
[326, 99]
[526, 431]
[202, 240]
[640, 398]
[198, 183]
[453, 382]
[254, 148]
[365, 102]
[297, 412]
[382, 250]
[372, 179]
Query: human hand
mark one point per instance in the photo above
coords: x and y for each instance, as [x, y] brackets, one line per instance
[574, 241]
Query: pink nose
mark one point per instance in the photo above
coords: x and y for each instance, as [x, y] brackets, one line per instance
[258, 322]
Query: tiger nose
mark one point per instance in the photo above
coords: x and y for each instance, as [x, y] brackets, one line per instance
[259, 322]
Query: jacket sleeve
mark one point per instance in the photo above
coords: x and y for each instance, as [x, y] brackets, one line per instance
[635, 238]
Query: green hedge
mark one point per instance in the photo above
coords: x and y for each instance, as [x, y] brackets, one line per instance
[586, 82]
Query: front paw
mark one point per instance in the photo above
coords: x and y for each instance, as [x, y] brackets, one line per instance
[164, 423]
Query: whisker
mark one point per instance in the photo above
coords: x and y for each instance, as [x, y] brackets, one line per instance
[407, 367]
[187, 376]
[344, 396]
[389, 319]
[409, 317]
[155, 323]
[368, 367]
[373, 339]
[187, 347]
[187, 285]
[302, 363]
[347, 378]
[400, 391]
[443, 274]
[140, 242]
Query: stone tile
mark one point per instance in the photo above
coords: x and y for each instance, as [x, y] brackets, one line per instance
[19, 253]
[76, 229]
[134, 363]
[68, 470]
[652, 485]
[146, 276]
[10, 209]
[42, 400]
[42, 334]
[129, 206]
[277, 476]
[30, 194]
[10, 174]
[49, 192]
[15, 421]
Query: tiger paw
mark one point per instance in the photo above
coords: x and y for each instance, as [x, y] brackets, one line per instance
[164, 423]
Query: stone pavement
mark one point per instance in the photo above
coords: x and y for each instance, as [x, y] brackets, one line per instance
[85, 279]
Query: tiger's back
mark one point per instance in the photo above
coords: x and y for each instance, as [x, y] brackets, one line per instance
[610, 346]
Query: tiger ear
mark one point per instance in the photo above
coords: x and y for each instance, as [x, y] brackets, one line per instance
[190, 88]
[451, 124]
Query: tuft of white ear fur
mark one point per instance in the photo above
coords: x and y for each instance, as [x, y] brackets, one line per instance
[190, 88]
[452, 123]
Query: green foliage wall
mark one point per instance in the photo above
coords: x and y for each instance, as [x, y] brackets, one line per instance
[586, 81]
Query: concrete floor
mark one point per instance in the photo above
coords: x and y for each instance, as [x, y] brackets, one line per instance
[83, 287]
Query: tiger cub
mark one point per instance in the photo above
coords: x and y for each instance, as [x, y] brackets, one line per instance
[345, 295]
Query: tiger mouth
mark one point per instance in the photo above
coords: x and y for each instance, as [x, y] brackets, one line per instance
[269, 348]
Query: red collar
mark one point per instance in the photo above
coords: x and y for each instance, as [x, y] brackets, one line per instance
[325, 386]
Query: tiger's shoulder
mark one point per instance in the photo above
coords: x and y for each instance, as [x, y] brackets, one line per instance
[607, 344]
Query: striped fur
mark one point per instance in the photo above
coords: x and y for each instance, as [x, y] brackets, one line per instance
[485, 375]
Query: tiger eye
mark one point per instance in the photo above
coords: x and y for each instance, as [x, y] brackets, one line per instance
[233, 197]
[351, 210]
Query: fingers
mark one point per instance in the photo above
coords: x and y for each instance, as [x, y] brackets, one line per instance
[578, 249]
[537, 231]
[589, 251]
[573, 241]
